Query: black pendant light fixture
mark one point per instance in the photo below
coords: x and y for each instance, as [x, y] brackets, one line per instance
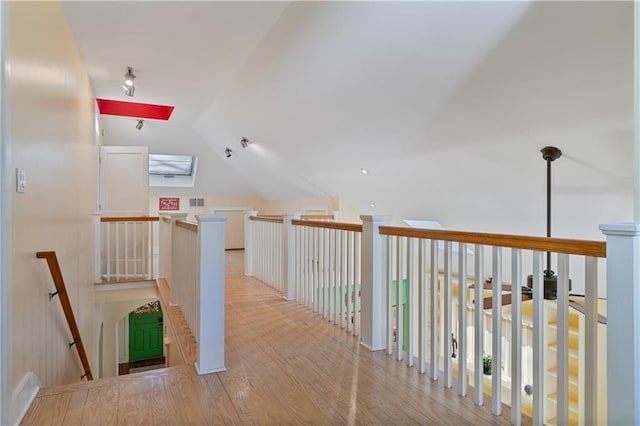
[549, 154]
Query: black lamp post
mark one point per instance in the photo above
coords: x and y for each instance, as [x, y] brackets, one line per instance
[549, 154]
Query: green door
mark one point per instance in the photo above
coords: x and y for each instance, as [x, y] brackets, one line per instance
[145, 332]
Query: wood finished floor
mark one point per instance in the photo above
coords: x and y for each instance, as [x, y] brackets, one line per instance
[285, 366]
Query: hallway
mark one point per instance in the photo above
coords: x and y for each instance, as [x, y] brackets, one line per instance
[284, 366]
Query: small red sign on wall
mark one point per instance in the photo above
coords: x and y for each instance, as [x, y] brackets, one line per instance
[169, 203]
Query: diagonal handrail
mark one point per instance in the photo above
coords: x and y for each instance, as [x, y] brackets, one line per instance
[61, 291]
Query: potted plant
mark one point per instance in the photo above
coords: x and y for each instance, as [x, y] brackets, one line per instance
[487, 365]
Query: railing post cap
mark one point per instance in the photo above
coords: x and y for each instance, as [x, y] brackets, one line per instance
[250, 212]
[175, 215]
[376, 217]
[295, 215]
[211, 218]
[621, 229]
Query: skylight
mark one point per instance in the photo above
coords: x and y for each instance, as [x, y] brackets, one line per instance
[171, 165]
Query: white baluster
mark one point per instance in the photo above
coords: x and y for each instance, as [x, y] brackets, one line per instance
[409, 303]
[591, 341]
[539, 325]
[422, 305]
[496, 332]
[434, 310]
[516, 337]
[389, 288]
[462, 319]
[448, 377]
[357, 285]
[563, 339]
[478, 340]
[399, 308]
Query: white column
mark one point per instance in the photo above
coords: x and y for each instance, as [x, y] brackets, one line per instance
[210, 278]
[248, 242]
[289, 256]
[373, 298]
[623, 323]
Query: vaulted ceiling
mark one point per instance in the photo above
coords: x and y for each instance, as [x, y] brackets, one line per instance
[447, 104]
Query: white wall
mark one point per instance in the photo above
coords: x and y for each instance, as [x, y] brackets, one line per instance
[53, 137]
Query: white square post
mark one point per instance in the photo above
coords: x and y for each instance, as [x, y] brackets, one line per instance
[248, 242]
[289, 256]
[373, 299]
[210, 279]
[623, 323]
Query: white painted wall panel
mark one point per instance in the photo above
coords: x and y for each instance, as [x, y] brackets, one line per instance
[53, 136]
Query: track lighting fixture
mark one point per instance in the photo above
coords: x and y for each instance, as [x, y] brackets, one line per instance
[244, 142]
[127, 85]
[228, 152]
[140, 124]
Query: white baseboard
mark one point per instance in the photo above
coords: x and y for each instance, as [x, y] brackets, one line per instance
[22, 397]
[209, 371]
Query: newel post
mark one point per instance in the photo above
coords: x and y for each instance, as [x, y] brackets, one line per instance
[248, 242]
[373, 296]
[210, 279]
[289, 256]
[623, 323]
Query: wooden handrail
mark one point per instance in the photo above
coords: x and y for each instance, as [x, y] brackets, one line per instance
[187, 225]
[130, 219]
[555, 245]
[330, 225]
[263, 218]
[316, 216]
[61, 292]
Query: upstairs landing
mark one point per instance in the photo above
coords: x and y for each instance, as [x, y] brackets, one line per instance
[284, 366]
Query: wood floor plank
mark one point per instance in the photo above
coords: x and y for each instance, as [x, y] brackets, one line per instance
[163, 408]
[213, 394]
[76, 407]
[134, 405]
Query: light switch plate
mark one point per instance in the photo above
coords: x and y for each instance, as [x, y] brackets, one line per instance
[21, 181]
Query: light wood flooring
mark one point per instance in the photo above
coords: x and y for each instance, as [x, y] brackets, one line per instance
[285, 366]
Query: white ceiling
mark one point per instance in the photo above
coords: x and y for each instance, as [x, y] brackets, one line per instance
[446, 103]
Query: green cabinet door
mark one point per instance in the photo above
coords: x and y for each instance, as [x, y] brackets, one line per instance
[145, 335]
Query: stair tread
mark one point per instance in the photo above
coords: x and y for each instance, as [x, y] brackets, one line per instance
[573, 404]
[572, 351]
[573, 378]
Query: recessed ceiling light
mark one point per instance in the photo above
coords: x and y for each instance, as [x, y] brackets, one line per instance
[364, 171]
[372, 205]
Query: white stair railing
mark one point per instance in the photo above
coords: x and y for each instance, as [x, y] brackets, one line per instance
[327, 270]
[197, 281]
[126, 248]
[414, 291]
[555, 350]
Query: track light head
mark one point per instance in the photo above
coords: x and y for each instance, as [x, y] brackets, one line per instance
[140, 124]
[127, 85]
[244, 142]
[228, 152]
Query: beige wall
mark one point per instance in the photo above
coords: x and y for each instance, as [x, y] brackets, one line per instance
[53, 137]
[210, 201]
[285, 206]
[235, 223]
